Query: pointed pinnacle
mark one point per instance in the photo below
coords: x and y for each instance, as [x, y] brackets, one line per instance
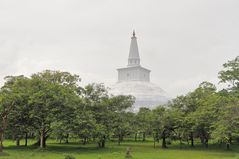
[133, 33]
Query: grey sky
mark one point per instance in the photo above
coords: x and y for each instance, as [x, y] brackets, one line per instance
[183, 42]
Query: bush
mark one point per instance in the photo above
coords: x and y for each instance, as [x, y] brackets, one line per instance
[69, 157]
[128, 153]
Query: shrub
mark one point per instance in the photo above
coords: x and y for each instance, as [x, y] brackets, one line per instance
[128, 153]
[69, 157]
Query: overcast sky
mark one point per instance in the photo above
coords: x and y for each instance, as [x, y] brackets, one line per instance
[183, 42]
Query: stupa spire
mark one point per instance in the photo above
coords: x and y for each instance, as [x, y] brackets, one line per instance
[133, 33]
[134, 59]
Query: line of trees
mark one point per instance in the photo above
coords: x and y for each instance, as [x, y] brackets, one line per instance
[51, 104]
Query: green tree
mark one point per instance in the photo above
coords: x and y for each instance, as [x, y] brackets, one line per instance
[165, 122]
[105, 110]
[144, 118]
[230, 73]
[204, 115]
[51, 92]
[226, 126]
[227, 123]
[20, 123]
[96, 100]
[11, 96]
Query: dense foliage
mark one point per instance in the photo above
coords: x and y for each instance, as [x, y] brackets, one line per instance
[52, 104]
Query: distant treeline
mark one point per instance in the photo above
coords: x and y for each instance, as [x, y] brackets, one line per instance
[52, 104]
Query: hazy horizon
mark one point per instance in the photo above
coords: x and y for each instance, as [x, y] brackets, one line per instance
[183, 43]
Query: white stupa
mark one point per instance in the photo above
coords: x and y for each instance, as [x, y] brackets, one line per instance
[135, 80]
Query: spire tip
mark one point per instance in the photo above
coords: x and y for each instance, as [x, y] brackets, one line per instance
[133, 33]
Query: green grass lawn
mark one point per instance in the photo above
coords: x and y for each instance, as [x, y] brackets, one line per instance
[140, 150]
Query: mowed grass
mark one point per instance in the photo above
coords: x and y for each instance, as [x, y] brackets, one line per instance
[140, 150]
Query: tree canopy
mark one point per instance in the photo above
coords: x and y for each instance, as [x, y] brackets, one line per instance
[53, 104]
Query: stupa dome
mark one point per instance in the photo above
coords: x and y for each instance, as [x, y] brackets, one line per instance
[147, 94]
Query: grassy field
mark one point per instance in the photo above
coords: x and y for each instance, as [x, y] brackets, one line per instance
[113, 151]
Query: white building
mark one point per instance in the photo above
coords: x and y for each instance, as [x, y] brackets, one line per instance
[133, 72]
[135, 80]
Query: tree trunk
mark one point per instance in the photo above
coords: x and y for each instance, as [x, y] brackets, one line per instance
[192, 142]
[154, 143]
[84, 140]
[135, 136]
[67, 137]
[60, 139]
[17, 141]
[228, 146]
[144, 136]
[26, 138]
[1, 140]
[99, 144]
[230, 140]
[3, 127]
[103, 144]
[164, 145]
[206, 143]
[41, 141]
[42, 138]
[202, 140]
[44, 141]
[192, 139]
[220, 143]
[119, 139]
[154, 140]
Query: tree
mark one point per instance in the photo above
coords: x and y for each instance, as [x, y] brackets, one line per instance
[122, 125]
[68, 122]
[96, 100]
[197, 109]
[226, 126]
[105, 110]
[51, 92]
[204, 115]
[185, 105]
[144, 118]
[11, 96]
[227, 123]
[180, 105]
[121, 119]
[20, 123]
[5, 109]
[165, 122]
[230, 74]
[85, 125]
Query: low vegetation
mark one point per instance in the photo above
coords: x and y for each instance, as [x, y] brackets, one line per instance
[139, 150]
